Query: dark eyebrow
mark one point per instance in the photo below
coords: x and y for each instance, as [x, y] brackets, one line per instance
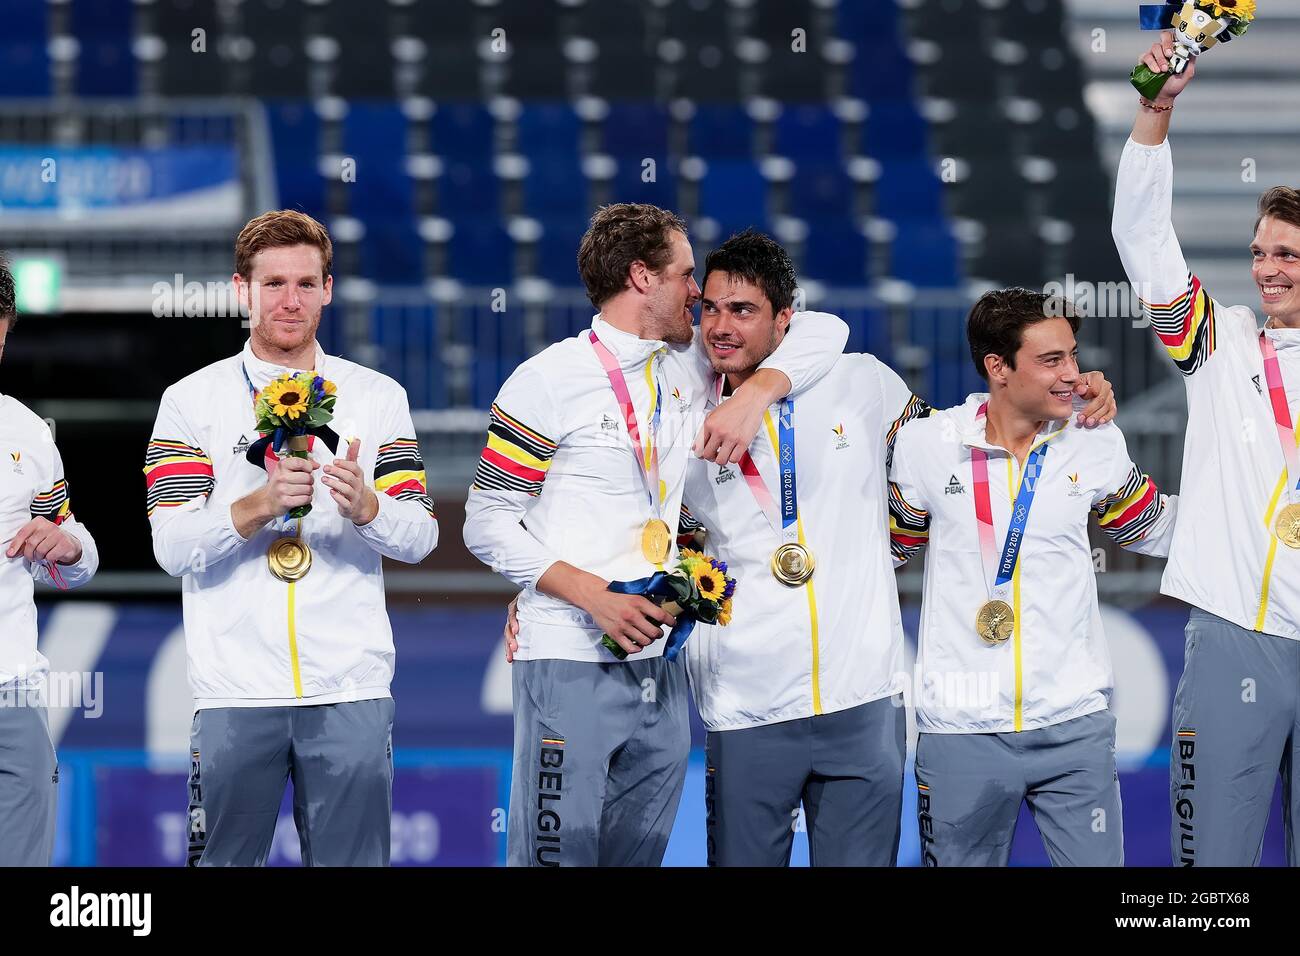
[742, 304]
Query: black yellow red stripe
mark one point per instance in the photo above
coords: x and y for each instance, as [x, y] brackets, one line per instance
[1185, 326]
[175, 472]
[516, 457]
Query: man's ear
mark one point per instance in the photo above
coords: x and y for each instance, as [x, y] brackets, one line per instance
[638, 273]
[995, 366]
[783, 319]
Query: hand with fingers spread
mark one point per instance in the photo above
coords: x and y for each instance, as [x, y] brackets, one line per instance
[42, 540]
[357, 501]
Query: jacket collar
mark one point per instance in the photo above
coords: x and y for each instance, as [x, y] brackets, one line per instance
[1283, 339]
[630, 350]
[260, 373]
[974, 427]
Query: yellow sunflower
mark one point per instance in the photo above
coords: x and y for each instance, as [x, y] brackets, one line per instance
[1244, 9]
[287, 399]
[709, 581]
[724, 613]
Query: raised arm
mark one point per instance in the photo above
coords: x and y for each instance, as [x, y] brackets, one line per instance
[1180, 311]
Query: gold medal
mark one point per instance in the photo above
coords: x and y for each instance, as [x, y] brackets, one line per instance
[1288, 526]
[289, 558]
[655, 541]
[793, 564]
[995, 622]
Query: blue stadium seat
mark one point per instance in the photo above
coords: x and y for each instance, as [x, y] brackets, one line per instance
[295, 136]
[894, 129]
[374, 135]
[481, 253]
[627, 185]
[925, 254]
[908, 189]
[469, 189]
[392, 251]
[557, 252]
[408, 338]
[733, 190]
[835, 253]
[548, 129]
[555, 184]
[106, 65]
[808, 130]
[637, 129]
[721, 130]
[463, 131]
[820, 187]
[24, 51]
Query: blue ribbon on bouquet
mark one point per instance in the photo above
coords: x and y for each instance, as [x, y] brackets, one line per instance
[657, 586]
[1158, 16]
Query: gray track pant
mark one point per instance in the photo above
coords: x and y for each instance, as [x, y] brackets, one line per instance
[845, 767]
[29, 781]
[1236, 726]
[340, 757]
[970, 787]
[600, 759]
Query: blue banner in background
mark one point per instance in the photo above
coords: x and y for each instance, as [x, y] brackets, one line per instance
[119, 186]
[123, 741]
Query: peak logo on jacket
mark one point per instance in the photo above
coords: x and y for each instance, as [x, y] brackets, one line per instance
[954, 487]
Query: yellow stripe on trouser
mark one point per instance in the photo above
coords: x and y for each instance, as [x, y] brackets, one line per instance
[808, 585]
[293, 633]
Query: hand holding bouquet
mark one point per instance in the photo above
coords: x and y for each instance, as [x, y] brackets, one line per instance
[291, 408]
[697, 588]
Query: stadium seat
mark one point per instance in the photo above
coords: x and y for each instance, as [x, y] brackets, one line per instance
[295, 134]
[481, 253]
[557, 250]
[835, 252]
[908, 189]
[548, 129]
[637, 130]
[721, 130]
[808, 130]
[463, 131]
[468, 189]
[106, 66]
[628, 184]
[820, 187]
[732, 191]
[555, 184]
[925, 254]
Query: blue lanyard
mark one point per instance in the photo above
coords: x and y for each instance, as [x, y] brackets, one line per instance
[785, 453]
[1020, 515]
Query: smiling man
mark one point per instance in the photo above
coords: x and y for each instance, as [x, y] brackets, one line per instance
[1012, 667]
[1235, 557]
[584, 468]
[290, 665]
[43, 543]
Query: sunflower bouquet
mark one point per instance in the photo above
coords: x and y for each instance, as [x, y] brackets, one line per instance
[696, 589]
[1198, 25]
[291, 408]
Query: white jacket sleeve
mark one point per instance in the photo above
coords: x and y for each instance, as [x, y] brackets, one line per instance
[811, 347]
[187, 534]
[509, 478]
[909, 515]
[1181, 313]
[406, 528]
[1131, 509]
[55, 505]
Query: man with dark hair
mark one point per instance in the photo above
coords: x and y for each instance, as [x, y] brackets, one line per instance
[1012, 668]
[290, 660]
[1235, 557]
[42, 542]
[582, 474]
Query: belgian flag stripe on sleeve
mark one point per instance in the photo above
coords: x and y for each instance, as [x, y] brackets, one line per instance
[516, 457]
[175, 473]
[399, 472]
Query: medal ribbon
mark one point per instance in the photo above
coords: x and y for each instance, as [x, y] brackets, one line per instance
[785, 519]
[1002, 572]
[1281, 415]
[648, 459]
